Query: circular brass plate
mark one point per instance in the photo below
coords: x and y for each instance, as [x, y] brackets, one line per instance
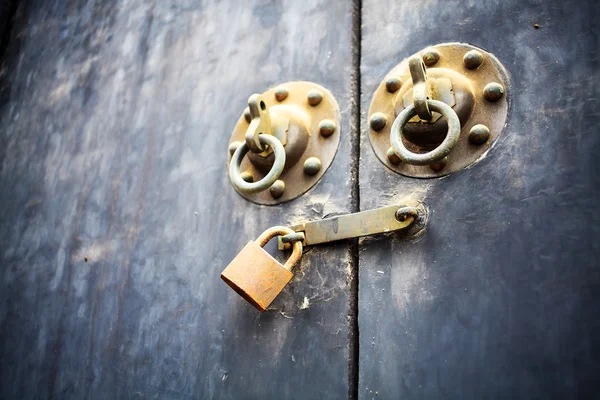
[491, 114]
[296, 181]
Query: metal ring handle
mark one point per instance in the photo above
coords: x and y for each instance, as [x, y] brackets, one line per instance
[439, 152]
[269, 179]
[270, 233]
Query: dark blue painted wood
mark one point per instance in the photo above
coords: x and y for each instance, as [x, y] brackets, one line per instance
[114, 126]
[500, 298]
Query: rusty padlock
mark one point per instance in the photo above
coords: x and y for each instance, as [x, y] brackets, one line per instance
[255, 275]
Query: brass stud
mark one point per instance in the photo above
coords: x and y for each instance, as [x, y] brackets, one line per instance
[312, 166]
[393, 84]
[431, 57]
[233, 146]
[247, 176]
[473, 59]
[493, 91]
[378, 121]
[314, 97]
[281, 93]
[439, 165]
[393, 157]
[277, 189]
[247, 115]
[479, 134]
[326, 127]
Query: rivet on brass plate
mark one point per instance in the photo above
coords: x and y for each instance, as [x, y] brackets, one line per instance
[471, 83]
[493, 91]
[314, 97]
[378, 121]
[281, 93]
[473, 59]
[439, 165]
[479, 134]
[431, 57]
[312, 166]
[326, 127]
[277, 189]
[393, 157]
[393, 84]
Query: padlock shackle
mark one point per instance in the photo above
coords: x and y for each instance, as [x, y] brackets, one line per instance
[270, 233]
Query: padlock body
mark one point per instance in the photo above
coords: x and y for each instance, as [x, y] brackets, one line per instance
[256, 276]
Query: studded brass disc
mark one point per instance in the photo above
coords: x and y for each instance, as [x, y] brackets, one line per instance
[313, 131]
[470, 80]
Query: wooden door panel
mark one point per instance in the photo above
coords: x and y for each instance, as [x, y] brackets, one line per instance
[499, 297]
[118, 215]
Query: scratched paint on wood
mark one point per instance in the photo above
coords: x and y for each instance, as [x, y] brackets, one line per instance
[498, 298]
[118, 215]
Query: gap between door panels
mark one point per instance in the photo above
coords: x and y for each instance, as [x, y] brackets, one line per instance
[7, 13]
[353, 339]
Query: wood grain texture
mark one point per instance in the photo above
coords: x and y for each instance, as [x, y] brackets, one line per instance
[114, 126]
[499, 298]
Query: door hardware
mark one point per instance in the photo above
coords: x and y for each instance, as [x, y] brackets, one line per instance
[439, 110]
[290, 135]
[256, 276]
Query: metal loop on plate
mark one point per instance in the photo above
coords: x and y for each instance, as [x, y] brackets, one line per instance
[405, 212]
[270, 233]
[260, 124]
[436, 154]
[420, 87]
[293, 237]
[270, 178]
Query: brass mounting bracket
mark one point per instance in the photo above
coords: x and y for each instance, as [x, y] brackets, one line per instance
[301, 120]
[463, 81]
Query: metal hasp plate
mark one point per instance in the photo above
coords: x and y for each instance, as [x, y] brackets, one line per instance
[456, 80]
[305, 118]
[410, 217]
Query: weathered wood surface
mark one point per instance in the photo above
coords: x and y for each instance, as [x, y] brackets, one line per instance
[114, 126]
[499, 298]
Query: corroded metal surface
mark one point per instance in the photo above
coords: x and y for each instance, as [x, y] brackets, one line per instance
[445, 62]
[314, 132]
[411, 214]
[255, 275]
[364, 223]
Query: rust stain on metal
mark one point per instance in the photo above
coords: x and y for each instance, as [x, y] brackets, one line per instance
[255, 275]
[365, 223]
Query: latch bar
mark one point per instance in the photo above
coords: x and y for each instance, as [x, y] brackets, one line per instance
[364, 223]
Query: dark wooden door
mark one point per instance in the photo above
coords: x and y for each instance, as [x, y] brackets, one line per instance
[115, 124]
[118, 215]
[500, 297]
